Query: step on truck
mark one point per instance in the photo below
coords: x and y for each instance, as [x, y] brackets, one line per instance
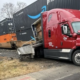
[57, 36]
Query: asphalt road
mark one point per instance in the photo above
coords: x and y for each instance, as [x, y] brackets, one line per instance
[8, 53]
[65, 72]
[72, 77]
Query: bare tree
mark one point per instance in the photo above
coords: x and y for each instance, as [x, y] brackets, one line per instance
[9, 9]
[21, 5]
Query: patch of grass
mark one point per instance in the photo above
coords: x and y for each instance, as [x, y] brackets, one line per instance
[15, 68]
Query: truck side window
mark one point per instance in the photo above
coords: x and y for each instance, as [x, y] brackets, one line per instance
[49, 18]
[68, 29]
[49, 33]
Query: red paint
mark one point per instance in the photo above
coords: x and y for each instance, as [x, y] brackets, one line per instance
[60, 17]
[25, 78]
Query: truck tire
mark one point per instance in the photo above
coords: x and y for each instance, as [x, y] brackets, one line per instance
[76, 58]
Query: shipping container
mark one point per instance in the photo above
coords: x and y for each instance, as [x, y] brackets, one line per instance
[7, 26]
[24, 18]
[70, 4]
[24, 35]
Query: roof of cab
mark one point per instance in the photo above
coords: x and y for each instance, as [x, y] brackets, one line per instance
[68, 12]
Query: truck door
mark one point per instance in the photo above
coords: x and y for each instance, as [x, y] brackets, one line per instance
[66, 39]
[51, 30]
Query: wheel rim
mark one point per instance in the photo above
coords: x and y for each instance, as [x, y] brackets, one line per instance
[77, 58]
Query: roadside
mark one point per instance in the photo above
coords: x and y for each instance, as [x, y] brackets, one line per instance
[11, 67]
[65, 72]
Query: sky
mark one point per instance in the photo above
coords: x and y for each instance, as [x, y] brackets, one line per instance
[28, 2]
[15, 1]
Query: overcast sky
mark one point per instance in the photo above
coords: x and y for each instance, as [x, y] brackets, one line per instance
[15, 1]
[28, 2]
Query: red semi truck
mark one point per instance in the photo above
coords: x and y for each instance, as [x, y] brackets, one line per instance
[57, 35]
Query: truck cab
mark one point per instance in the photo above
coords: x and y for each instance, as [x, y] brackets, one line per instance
[61, 34]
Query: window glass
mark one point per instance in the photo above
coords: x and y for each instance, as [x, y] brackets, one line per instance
[76, 26]
[49, 18]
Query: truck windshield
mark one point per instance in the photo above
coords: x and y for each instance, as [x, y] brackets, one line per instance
[76, 26]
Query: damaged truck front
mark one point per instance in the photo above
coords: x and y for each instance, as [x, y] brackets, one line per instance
[34, 49]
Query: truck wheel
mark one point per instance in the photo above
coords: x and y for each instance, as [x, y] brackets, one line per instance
[76, 58]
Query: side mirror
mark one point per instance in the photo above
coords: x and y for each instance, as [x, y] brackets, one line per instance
[65, 30]
[75, 35]
[78, 32]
